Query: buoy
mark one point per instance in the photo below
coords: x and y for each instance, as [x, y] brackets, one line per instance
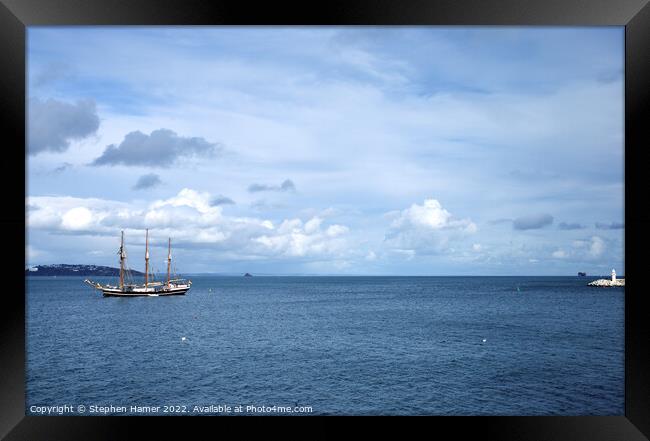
[183, 338]
[484, 340]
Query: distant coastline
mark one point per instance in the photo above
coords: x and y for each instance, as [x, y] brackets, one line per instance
[75, 270]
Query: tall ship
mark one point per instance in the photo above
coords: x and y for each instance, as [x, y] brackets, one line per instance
[150, 287]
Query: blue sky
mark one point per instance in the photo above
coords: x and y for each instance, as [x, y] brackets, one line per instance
[329, 150]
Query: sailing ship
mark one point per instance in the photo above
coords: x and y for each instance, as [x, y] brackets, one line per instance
[126, 287]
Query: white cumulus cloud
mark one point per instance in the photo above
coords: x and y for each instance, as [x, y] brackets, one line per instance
[191, 220]
[559, 254]
[591, 249]
[426, 228]
[597, 247]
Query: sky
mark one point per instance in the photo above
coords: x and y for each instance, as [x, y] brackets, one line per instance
[328, 150]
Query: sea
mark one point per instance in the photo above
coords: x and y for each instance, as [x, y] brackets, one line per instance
[328, 346]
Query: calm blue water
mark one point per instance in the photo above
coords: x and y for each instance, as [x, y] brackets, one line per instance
[342, 345]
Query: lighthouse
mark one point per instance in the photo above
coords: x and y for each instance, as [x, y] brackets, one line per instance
[604, 282]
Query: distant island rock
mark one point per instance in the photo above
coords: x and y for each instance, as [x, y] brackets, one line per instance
[75, 270]
[248, 275]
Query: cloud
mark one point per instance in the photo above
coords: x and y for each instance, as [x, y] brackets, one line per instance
[147, 181]
[287, 185]
[293, 238]
[581, 250]
[162, 148]
[221, 200]
[500, 221]
[610, 226]
[426, 228]
[532, 222]
[63, 167]
[193, 222]
[52, 125]
[559, 254]
[597, 247]
[32, 253]
[77, 218]
[65, 213]
[570, 226]
[263, 205]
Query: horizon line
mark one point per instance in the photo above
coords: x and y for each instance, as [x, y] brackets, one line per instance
[279, 274]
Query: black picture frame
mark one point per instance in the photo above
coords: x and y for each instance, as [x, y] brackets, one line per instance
[16, 15]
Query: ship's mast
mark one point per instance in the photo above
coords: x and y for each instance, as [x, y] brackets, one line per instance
[122, 256]
[146, 259]
[169, 260]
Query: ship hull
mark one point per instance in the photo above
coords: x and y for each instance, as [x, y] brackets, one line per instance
[108, 292]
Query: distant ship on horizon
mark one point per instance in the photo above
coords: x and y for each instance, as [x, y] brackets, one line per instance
[152, 288]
